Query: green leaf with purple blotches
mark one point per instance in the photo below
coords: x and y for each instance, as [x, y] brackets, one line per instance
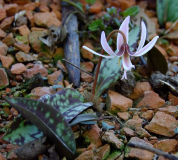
[50, 121]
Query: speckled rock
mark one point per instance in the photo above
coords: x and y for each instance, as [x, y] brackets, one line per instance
[3, 49]
[141, 132]
[4, 81]
[56, 78]
[7, 61]
[147, 115]
[23, 57]
[169, 110]
[123, 115]
[162, 124]
[6, 23]
[18, 68]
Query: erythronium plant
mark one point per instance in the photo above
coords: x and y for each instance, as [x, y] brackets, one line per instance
[123, 47]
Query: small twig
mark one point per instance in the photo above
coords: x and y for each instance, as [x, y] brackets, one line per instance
[117, 119]
[172, 26]
[151, 149]
[78, 67]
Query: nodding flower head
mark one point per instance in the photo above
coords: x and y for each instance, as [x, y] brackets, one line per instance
[123, 47]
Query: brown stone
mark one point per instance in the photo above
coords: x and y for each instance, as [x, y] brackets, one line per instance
[61, 66]
[20, 2]
[4, 81]
[36, 69]
[18, 68]
[87, 66]
[134, 123]
[2, 157]
[44, 8]
[30, 6]
[173, 99]
[139, 89]
[162, 124]
[30, 17]
[9, 40]
[2, 14]
[87, 155]
[56, 78]
[127, 132]
[14, 112]
[93, 137]
[24, 30]
[116, 102]
[11, 9]
[135, 153]
[6, 61]
[151, 100]
[58, 14]
[22, 39]
[3, 49]
[46, 19]
[123, 115]
[22, 47]
[40, 91]
[169, 110]
[147, 115]
[53, 6]
[86, 77]
[141, 132]
[2, 34]
[96, 7]
[6, 23]
[86, 54]
[102, 152]
[150, 13]
[23, 57]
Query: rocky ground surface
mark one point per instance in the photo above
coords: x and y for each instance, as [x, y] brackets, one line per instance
[146, 115]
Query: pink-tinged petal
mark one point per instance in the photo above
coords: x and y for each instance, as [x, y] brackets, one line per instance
[143, 36]
[125, 29]
[124, 75]
[127, 65]
[105, 44]
[88, 49]
[146, 48]
[121, 51]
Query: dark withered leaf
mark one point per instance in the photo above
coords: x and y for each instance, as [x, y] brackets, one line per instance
[50, 121]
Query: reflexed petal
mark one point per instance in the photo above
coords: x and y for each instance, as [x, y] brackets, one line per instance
[146, 48]
[124, 75]
[121, 51]
[105, 44]
[127, 65]
[125, 29]
[88, 49]
[143, 36]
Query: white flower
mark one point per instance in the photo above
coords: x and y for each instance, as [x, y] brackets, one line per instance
[123, 47]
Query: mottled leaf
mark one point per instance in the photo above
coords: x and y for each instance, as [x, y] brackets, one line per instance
[68, 101]
[50, 121]
[132, 11]
[22, 131]
[83, 118]
[156, 61]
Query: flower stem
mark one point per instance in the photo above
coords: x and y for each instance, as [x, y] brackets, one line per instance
[102, 51]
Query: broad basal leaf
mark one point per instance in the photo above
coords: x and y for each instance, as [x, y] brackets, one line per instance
[68, 101]
[50, 121]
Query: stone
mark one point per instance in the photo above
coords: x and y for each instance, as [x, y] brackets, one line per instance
[86, 77]
[86, 54]
[14, 112]
[133, 123]
[87, 66]
[135, 153]
[123, 115]
[22, 47]
[34, 40]
[162, 124]
[3, 49]
[141, 132]
[148, 115]
[2, 34]
[37, 68]
[56, 78]
[30, 6]
[127, 132]
[111, 138]
[11, 9]
[2, 14]
[92, 137]
[6, 61]
[30, 17]
[6, 23]
[18, 68]
[20, 2]
[44, 8]
[46, 19]
[116, 102]
[21, 20]
[58, 14]
[102, 152]
[166, 145]
[24, 30]
[4, 81]
[2, 157]
[61, 66]
[40, 91]
[96, 7]
[169, 110]
[173, 58]
[87, 155]
[151, 100]
[23, 57]
[173, 99]
[22, 39]
[139, 89]
[9, 40]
